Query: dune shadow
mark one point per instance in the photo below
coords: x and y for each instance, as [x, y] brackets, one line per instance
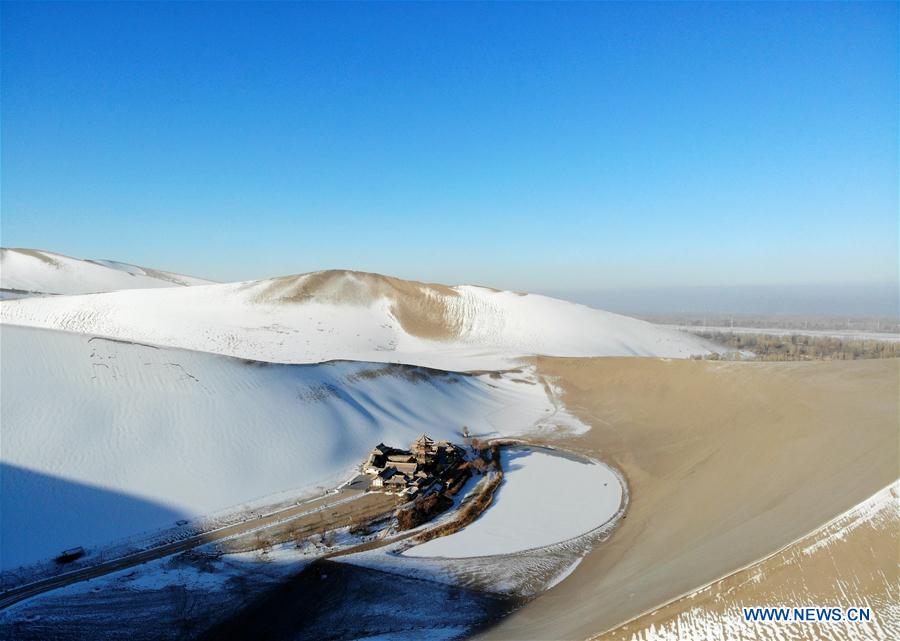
[341, 602]
[42, 514]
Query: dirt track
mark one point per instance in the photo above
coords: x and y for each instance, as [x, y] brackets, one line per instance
[321, 514]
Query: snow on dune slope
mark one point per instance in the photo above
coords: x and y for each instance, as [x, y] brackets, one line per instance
[350, 315]
[104, 439]
[36, 271]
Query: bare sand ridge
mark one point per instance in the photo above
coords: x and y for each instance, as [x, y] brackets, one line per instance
[420, 308]
[46, 257]
[726, 464]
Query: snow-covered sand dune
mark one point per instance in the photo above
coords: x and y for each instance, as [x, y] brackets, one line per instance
[41, 272]
[356, 316]
[122, 438]
[137, 413]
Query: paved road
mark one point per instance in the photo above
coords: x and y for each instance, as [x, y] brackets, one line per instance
[315, 506]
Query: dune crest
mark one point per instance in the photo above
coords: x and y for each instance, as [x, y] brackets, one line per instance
[422, 309]
[29, 272]
[322, 316]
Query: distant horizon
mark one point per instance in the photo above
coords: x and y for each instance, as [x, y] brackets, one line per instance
[857, 300]
[534, 147]
[813, 300]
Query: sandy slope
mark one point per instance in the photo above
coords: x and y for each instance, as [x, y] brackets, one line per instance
[105, 439]
[38, 271]
[350, 315]
[726, 463]
[850, 562]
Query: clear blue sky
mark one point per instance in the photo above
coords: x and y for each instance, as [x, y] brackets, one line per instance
[528, 146]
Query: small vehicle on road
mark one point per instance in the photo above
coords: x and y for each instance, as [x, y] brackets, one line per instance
[67, 556]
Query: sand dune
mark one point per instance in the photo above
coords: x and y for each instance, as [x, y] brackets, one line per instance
[33, 271]
[162, 434]
[726, 464]
[355, 316]
[850, 562]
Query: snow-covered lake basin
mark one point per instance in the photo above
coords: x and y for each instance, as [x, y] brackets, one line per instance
[545, 497]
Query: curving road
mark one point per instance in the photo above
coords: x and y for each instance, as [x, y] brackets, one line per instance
[338, 506]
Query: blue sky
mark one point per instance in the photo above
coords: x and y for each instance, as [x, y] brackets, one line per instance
[527, 146]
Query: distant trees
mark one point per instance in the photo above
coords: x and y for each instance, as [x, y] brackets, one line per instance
[359, 526]
[263, 543]
[487, 455]
[796, 347]
[423, 509]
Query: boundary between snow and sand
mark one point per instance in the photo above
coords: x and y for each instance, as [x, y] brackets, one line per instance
[848, 334]
[523, 573]
[601, 529]
[890, 487]
[494, 404]
[324, 316]
[45, 272]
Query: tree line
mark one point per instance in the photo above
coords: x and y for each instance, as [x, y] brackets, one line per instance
[795, 347]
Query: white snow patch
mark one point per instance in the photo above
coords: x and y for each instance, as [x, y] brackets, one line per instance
[877, 510]
[543, 499]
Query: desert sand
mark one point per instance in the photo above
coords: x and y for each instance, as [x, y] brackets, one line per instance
[727, 463]
[850, 562]
[420, 308]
